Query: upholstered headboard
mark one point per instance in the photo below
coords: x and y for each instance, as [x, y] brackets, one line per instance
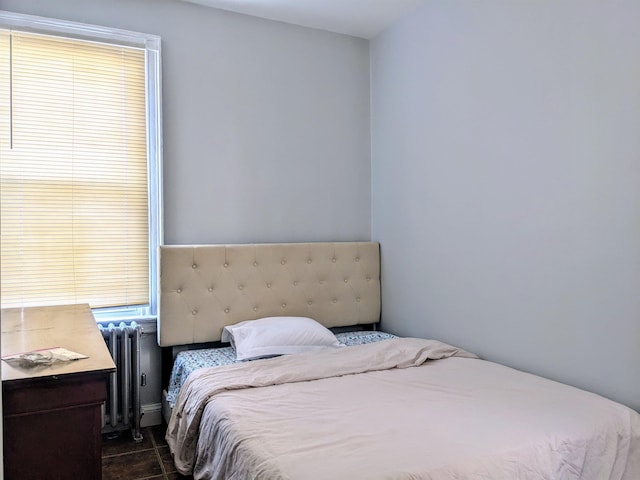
[203, 288]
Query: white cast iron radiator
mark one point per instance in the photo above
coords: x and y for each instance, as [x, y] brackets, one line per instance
[122, 408]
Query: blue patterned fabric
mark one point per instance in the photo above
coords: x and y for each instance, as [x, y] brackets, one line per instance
[359, 338]
[190, 360]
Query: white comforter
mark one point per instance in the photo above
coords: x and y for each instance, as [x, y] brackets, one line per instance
[382, 411]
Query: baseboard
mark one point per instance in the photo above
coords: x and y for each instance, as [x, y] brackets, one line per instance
[151, 414]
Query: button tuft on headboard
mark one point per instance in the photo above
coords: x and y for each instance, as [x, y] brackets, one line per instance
[335, 283]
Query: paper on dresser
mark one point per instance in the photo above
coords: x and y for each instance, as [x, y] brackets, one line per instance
[46, 356]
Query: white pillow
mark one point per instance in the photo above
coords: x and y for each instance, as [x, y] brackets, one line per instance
[270, 336]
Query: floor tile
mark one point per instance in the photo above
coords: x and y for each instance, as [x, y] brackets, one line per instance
[131, 466]
[159, 431]
[124, 443]
[167, 459]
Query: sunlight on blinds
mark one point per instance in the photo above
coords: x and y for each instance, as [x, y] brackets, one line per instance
[73, 172]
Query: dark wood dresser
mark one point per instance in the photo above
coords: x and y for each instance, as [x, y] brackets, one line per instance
[52, 414]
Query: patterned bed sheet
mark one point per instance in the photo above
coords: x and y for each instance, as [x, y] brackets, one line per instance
[190, 360]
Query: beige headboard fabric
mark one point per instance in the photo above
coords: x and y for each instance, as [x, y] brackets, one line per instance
[203, 288]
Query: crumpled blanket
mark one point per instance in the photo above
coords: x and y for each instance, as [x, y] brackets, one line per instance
[384, 411]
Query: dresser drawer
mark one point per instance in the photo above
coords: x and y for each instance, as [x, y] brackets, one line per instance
[52, 393]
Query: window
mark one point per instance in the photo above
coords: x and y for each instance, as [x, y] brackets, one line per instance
[80, 176]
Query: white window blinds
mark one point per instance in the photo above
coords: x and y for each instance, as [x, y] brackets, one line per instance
[73, 172]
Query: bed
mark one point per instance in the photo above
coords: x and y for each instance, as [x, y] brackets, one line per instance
[380, 408]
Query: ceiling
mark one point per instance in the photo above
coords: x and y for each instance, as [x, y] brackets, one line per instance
[359, 18]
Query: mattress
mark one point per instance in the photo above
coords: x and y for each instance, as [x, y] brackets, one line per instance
[399, 409]
[187, 362]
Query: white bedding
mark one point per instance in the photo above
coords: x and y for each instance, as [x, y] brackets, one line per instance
[382, 411]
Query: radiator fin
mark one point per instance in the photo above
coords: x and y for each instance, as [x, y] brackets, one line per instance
[122, 410]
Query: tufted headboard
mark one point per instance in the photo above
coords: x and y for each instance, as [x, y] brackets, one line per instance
[203, 288]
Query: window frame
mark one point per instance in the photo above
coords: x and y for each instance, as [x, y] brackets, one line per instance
[152, 47]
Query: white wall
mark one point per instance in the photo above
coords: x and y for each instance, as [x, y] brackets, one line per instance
[506, 184]
[266, 128]
[266, 125]
[506, 180]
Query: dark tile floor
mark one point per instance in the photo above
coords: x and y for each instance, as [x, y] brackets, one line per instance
[124, 459]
